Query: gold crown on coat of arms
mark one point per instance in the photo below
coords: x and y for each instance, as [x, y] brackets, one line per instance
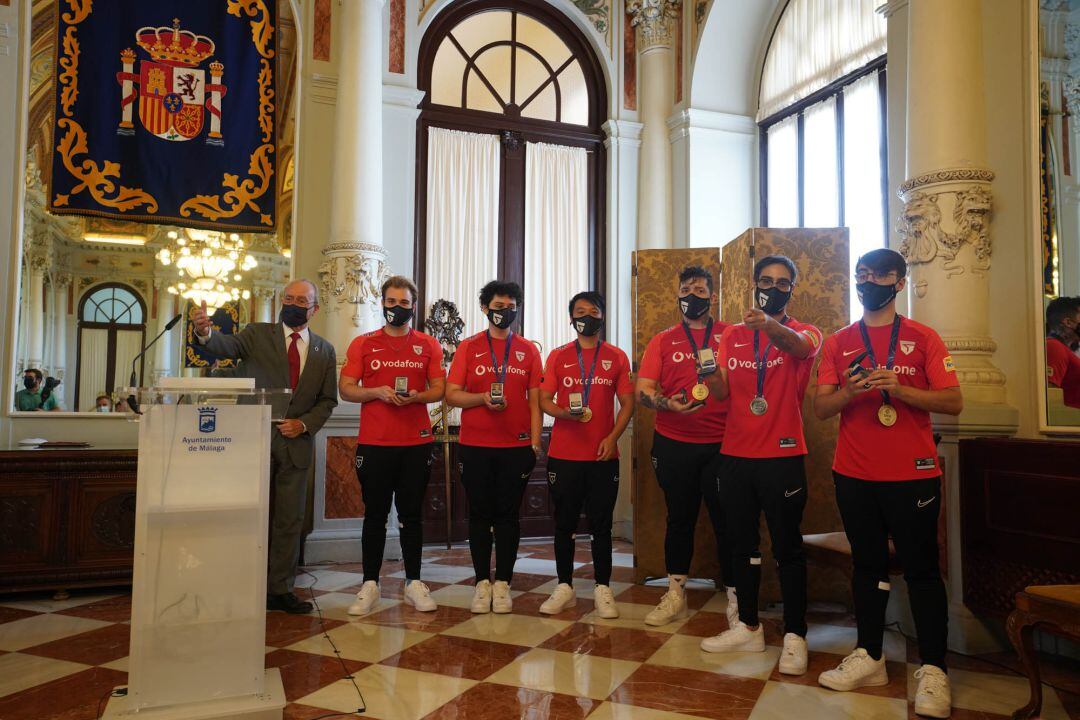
[173, 46]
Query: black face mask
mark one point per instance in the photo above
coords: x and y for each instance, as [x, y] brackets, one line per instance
[294, 316]
[29, 382]
[503, 318]
[773, 300]
[397, 315]
[693, 306]
[587, 325]
[874, 296]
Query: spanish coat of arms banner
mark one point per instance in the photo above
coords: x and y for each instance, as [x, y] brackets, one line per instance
[165, 112]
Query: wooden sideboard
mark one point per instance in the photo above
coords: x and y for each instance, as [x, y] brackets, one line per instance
[67, 518]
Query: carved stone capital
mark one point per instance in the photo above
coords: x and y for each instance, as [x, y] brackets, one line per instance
[655, 21]
[62, 280]
[927, 236]
[946, 175]
[263, 293]
[351, 276]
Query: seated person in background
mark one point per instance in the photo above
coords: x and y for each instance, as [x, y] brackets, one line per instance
[37, 394]
[102, 404]
[121, 405]
[1062, 334]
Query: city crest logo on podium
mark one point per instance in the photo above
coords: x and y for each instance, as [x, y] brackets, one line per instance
[207, 419]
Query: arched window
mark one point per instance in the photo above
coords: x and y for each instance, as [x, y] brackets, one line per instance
[112, 329]
[824, 159]
[512, 178]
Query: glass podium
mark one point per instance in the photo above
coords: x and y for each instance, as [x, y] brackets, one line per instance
[198, 608]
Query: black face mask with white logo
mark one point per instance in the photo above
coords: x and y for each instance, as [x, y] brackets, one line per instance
[693, 306]
[502, 318]
[772, 301]
[294, 316]
[587, 325]
[874, 296]
[397, 315]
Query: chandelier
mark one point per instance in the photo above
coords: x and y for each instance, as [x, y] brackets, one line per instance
[207, 263]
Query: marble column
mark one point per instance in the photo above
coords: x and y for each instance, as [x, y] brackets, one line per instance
[36, 267]
[655, 22]
[59, 318]
[264, 304]
[354, 262]
[163, 350]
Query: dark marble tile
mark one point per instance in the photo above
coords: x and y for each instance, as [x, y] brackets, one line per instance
[820, 617]
[304, 673]
[407, 617]
[294, 711]
[488, 701]
[343, 497]
[95, 647]
[530, 602]
[606, 641]
[117, 609]
[457, 657]
[283, 629]
[651, 594]
[8, 614]
[75, 697]
[622, 574]
[397, 36]
[692, 692]
[820, 662]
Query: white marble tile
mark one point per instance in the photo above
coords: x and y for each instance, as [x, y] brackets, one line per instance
[567, 673]
[632, 615]
[511, 629]
[335, 606]
[327, 579]
[441, 573]
[622, 559]
[39, 629]
[619, 711]
[841, 641]
[391, 693]
[362, 641]
[47, 605]
[784, 701]
[19, 672]
[584, 587]
[684, 651]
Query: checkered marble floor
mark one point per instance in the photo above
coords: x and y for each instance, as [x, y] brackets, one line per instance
[58, 658]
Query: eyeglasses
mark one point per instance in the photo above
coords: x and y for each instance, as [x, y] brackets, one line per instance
[298, 300]
[864, 275]
[783, 284]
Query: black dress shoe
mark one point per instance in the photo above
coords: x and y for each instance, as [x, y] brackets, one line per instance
[289, 603]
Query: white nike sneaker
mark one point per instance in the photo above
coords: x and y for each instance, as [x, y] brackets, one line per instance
[794, 657]
[501, 602]
[739, 638]
[562, 598]
[672, 607]
[366, 599]
[933, 698]
[732, 609]
[481, 599]
[855, 671]
[604, 603]
[418, 595]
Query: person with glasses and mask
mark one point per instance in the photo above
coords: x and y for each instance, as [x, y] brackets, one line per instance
[1062, 338]
[765, 364]
[582, 380]
[393, 372]
[285, 354]
[686, 442]
[495, 379]
[884, 375]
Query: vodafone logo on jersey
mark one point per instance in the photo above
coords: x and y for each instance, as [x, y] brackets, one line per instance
[396, 364]
[678, 356]
[734, 363]
[482, 370]
[570, 381]
[901, 369]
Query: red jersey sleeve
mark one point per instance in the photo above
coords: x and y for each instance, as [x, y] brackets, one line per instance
[536, 370]
[722, 347]
[458, 370]
[940, 372]
[625, 384]
[650, 360]
[354, 367]
[1057, 363]
[549, 383]
[828, 373]
[814, 337]
[435, 367]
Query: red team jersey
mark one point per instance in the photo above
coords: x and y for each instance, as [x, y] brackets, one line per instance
[472, 369]
[669, 360]
[571, 439]
[377, 359]
[1063, 370]
[866, 449]
[779, 432]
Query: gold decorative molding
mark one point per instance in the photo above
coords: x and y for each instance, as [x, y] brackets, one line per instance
[655, 22]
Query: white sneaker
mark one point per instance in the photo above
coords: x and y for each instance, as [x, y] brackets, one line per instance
[604, 603]
[739, 638]
[501, 602]
[855, 671]
[418, 595]
[562, 598]
[793, 659]
[933, 698]
[481, 599]
[671, 607]
[366, 599]
[732, 609]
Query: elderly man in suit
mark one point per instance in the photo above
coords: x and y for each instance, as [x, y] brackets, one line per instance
[285, 355]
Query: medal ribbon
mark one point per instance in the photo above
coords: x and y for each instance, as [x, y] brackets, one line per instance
[760, 360]
[894, 338]
[586, 382]
[500, 372]
[694, 347]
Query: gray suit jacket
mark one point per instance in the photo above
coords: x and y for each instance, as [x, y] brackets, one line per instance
[261, 348]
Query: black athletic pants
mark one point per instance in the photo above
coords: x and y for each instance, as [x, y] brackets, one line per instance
[777, 487]
[907, 511]
[399, 474]
[689, 473]
[495, 480]
[594, 486]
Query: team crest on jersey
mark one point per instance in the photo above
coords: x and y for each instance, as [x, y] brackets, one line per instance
[519, 355]
[418, 349]
[907, 346]
[716, 339]
[947, 361]
[606, 364]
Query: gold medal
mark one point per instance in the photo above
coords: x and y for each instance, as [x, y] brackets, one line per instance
[759, 406]
[586, 414]
[886, 415]
[700, 391]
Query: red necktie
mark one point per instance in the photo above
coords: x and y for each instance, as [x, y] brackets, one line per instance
[294, 361]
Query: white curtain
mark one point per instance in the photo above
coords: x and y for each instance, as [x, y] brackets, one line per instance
[556, 239]
[783, 173]
[462, 219]
[821, 186]
[815, 43]
[862, 170]
[128, 345]
[93, 356]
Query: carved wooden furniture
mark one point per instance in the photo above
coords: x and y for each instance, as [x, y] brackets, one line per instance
[1051, 608]
[67, 518]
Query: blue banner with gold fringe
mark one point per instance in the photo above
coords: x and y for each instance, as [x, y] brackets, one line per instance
[165, 112]
[225, 320]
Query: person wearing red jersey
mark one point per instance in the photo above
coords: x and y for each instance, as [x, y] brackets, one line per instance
[582, 380]
[884, 375]
[1062, 363]
[394, 372]
[765, 365]
[495, 379]
[686, 442]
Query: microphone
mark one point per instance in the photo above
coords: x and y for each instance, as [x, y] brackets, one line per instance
[132, 402]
